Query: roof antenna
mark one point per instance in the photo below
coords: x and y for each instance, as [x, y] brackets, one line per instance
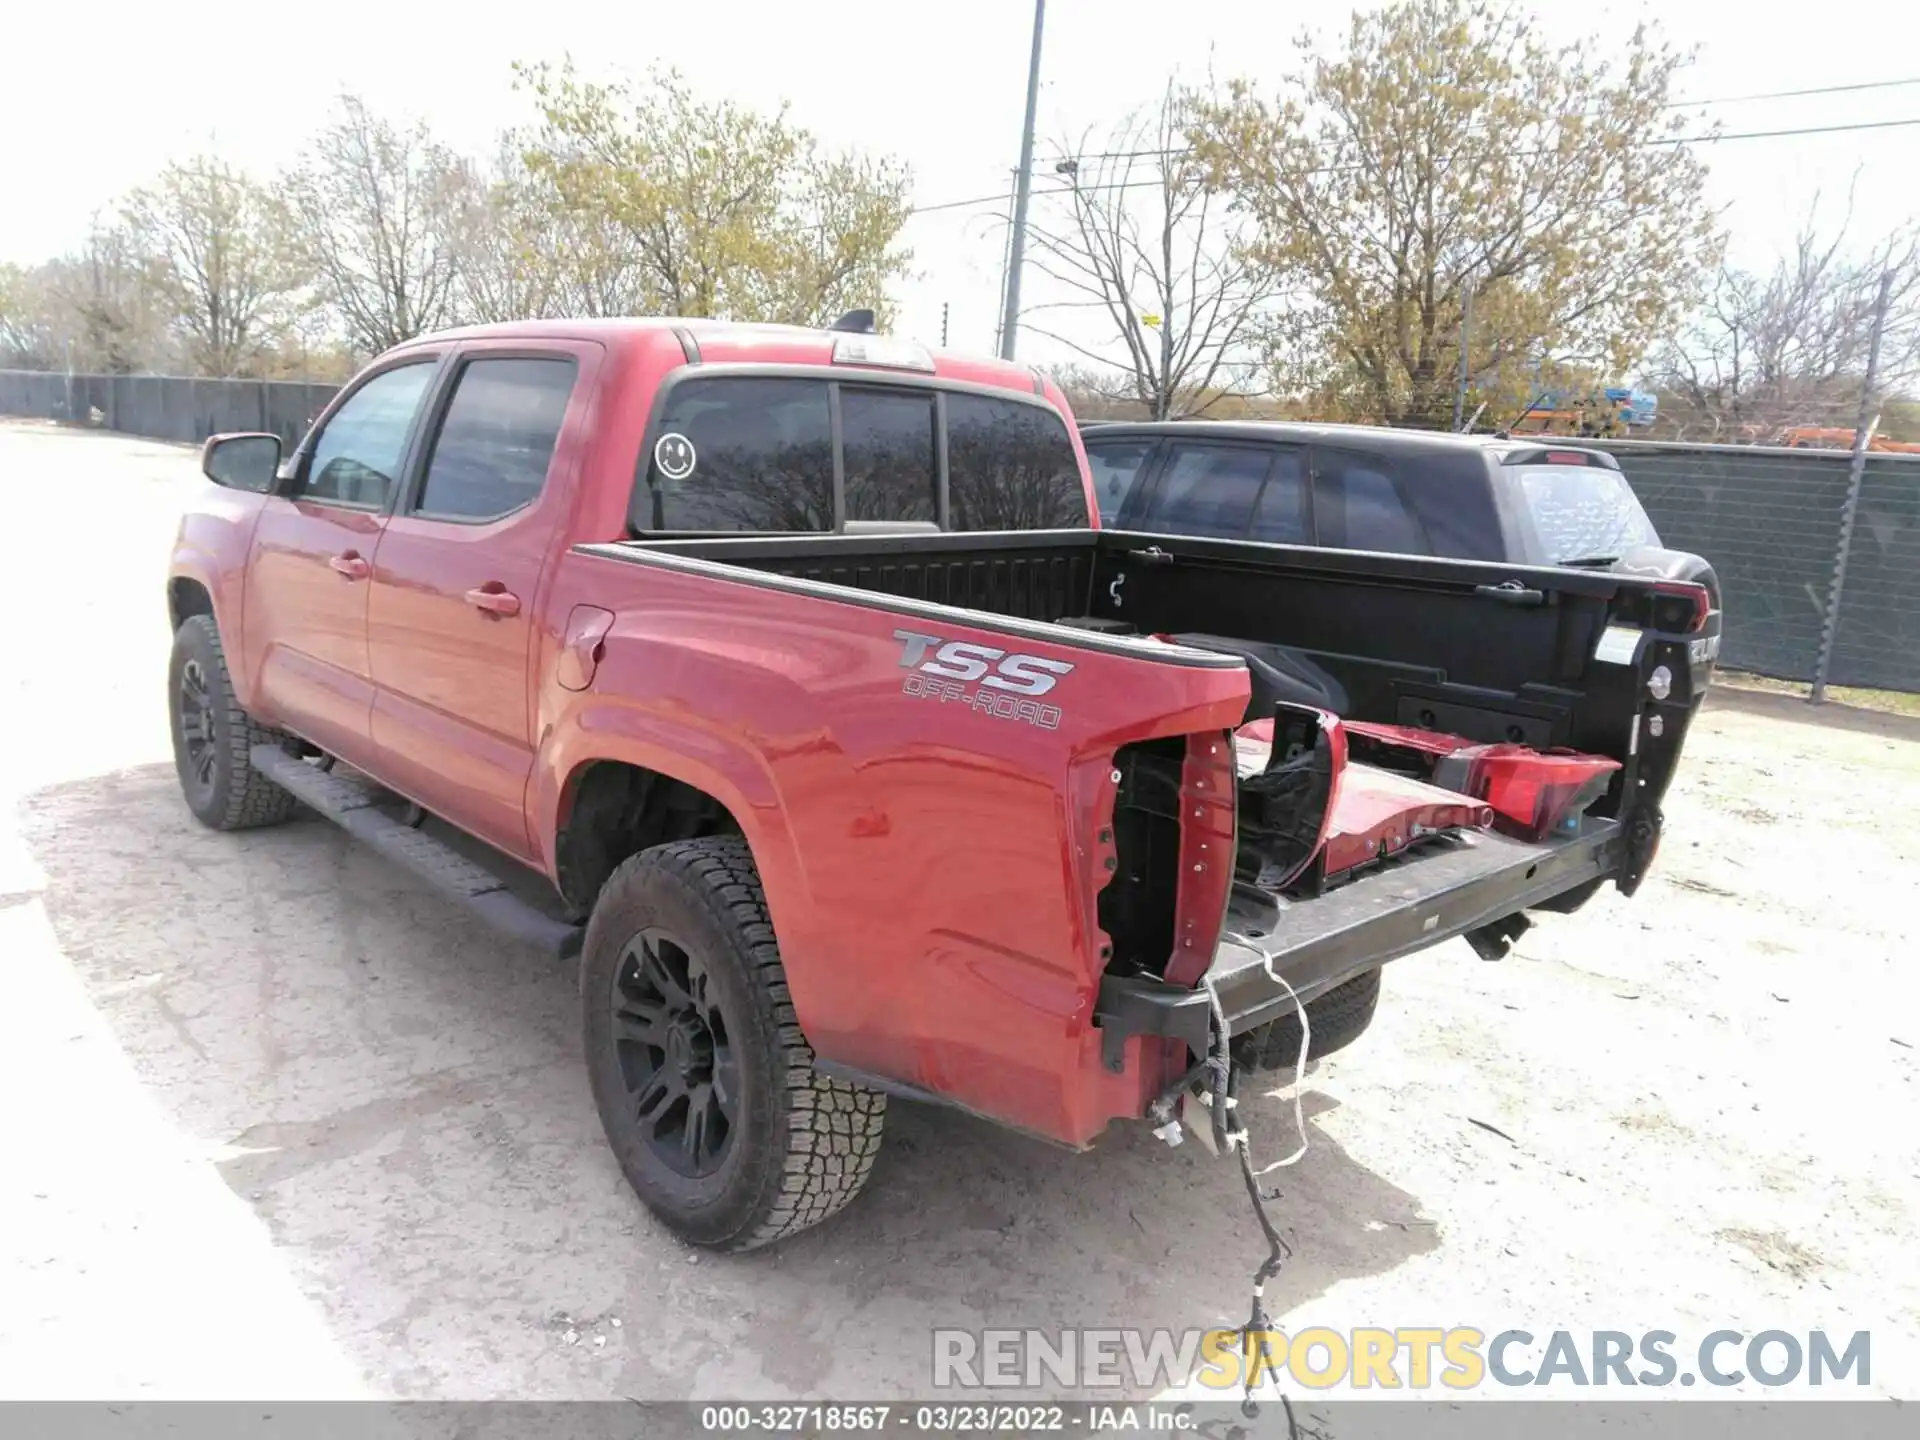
[855, 322]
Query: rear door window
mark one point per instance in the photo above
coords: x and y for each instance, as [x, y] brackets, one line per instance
[1011, 466]
[740, 454]
[1358, 506]
[497, 440]
[891, 458]
[1207, 489]
[1115, 465]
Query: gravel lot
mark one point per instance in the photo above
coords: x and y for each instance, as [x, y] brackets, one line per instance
[281, 1123]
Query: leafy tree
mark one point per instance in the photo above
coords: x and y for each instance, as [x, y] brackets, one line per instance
[1449, 151]
[223, 265]
[379, 211]
[698, 208]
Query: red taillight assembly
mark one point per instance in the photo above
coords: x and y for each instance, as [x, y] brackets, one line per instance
[1532, 795]
[1694, 595]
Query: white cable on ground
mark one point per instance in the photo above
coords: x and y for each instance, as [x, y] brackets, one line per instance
[1299, 1072]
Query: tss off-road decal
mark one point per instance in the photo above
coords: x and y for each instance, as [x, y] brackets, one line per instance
[984, 678]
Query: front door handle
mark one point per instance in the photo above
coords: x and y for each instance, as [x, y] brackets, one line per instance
[349, 564]
[494, 598]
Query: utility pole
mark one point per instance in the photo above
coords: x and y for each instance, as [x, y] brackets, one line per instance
[1017, 250]
[1466, 340]
[1856, 470]
[943, 324]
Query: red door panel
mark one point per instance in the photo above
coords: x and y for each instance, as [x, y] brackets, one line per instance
[450, 716]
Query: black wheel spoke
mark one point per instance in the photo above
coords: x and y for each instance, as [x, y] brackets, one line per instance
[658, 972]
[693, 1134]
[641, 1023]
[726, 1079]
[656, 1097]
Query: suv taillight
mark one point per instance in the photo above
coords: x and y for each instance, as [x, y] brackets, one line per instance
[1695, 596]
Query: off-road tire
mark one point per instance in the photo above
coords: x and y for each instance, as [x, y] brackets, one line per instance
[804, 1143]
[233, 795]
[1339, 1017]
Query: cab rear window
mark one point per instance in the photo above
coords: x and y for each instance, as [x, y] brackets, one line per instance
[749, 454]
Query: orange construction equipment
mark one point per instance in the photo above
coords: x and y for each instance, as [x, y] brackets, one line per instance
[1819, 437]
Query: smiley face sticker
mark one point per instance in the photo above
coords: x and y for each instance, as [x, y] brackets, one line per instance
[673, 455]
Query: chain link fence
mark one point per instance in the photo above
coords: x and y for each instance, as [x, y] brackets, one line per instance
[1769, 520]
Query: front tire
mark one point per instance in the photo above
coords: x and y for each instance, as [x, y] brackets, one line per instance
[705, 1085]
[213, 738]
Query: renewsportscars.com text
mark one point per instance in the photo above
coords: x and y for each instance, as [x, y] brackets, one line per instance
[1415, 1358]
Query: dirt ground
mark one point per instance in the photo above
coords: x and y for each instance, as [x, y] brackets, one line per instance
[279, 1122]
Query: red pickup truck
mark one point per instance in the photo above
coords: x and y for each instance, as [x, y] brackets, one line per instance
[860, 762]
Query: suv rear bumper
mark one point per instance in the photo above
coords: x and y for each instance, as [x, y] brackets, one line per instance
[1436, 893]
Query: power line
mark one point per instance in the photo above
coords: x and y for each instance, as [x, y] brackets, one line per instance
[1582, 114]
[1795, 94]
[1000, 198]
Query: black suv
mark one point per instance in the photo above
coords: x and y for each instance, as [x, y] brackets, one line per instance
[1525, 501]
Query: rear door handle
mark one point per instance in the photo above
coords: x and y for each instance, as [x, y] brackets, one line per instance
[349, 564]
[494, 598]
[1512, 592]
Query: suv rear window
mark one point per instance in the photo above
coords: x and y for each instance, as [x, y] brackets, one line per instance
[1582, 512]
[738, 453]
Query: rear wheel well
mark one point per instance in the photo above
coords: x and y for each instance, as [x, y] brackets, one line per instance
[614, 810]
[186, 598]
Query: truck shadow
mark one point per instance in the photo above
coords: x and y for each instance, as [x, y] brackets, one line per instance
[399, 1098]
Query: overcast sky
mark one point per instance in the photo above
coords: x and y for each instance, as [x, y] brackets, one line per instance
[96, 97]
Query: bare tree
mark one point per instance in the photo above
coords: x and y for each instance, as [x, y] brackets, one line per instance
[26, 338]
[223, 263]
[511, 264]
[1140, 241]
[1789, 347]
[380, 210]
[100, 304]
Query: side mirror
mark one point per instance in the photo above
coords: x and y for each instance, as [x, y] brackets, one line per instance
[241, 462]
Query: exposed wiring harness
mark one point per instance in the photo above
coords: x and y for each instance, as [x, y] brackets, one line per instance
[1216, 1072]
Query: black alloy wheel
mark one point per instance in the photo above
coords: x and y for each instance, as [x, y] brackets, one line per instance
[198, 740]
[675, 1048]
